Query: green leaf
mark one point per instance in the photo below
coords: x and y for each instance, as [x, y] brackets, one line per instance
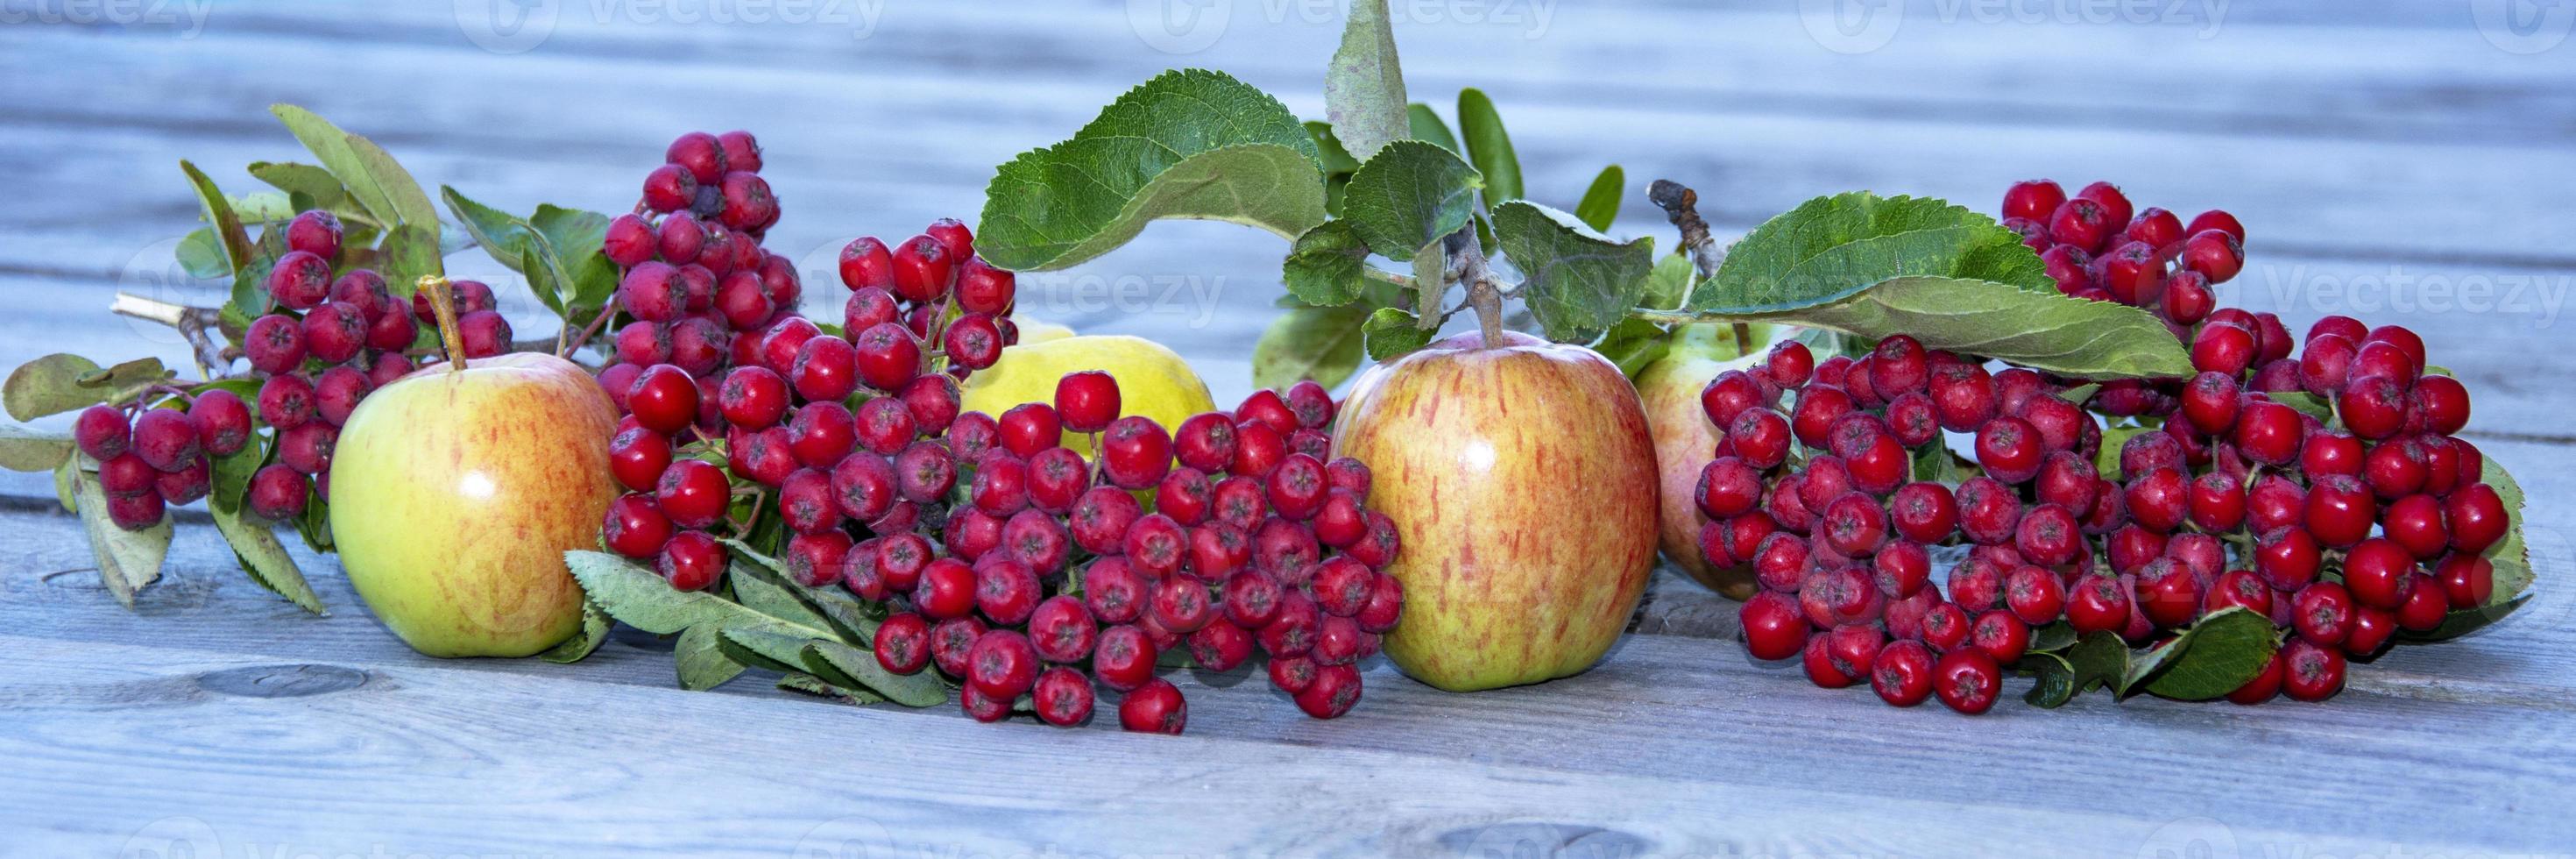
[2220, 653]
[232, 474]
[266, 207]
[2464, 621]
[1327, 267]
[2098, 658]
[2307, 403]
[62, 382]
[771, 598]
[1409, 196]
[1668, 285]
[2044, 331]
[201, 255]
[265, 559]
[1580, 282]
[1488, 146]
[2057, 635]
[127, 560]
[66, 483]
[1337, 160]
[643, 600]
[2511, 556]
[1428, 128]
[1832, 248]
[921, 689]
[1319, 343]
[1364, 85]
[411, 252]
[803, 683]
[379, 185]
[594, 632]
[701, 659]
[574, 237]
[218, 212]
[1390, 332]
[1633, 344]
[1600, 205]
[1187, 144]
[503, 235]
[312, 182]
[855, 620]
[23, 449]
[2056, 684]
[765, 645]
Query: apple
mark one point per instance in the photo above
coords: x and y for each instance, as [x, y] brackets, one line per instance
[456, 490]
[1521, 481]
[1685, 440]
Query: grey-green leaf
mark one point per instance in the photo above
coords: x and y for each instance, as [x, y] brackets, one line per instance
[1319, 343]
[643, 600]
[127, 560]
[23, 449]
[921, 689]
[1600, 204]
[2041, 330]
[1327, 266]
[1488, 146]
[2220, 653]
[201, 255]
[1410, 195]
[1364, 86]
[1579, 282]
[594, 632]
[701, 659]
[1187, 144]
[1391, 332]
[265, 559]
[61, 382]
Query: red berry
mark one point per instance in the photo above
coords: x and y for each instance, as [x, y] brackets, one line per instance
[2010, 449]
[2032, 199]
[2468, 581]
[1967, 680]
[1774, 626]
[278, 492]
[2265, 684]
[1135, 452]
[1002, 664]
[638, 456]
[2099, 602]
[2477, 517]
[2339, 510]
[692, 561]
[2310, 672]
[2084, 223]
[2214, 254]
[1902, 673]
[2002, 635]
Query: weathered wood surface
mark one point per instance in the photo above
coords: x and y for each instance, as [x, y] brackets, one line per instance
[2362, 142]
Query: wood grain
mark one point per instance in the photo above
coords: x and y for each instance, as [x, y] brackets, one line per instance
[2363, 142]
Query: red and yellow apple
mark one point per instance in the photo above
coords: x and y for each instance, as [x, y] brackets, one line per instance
[1685, 441]
[1521, 481]
[455, 493]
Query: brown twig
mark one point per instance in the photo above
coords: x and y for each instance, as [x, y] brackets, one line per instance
[1681, 206]
[196, 324]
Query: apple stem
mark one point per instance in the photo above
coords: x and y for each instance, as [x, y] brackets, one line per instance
[1484, 290]
[442, 307]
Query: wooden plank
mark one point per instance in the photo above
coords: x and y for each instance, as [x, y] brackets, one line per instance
[118, 739]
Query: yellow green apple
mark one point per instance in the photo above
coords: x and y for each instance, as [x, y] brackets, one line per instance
[455, 492]
[1521, 481]
[1685, 440]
